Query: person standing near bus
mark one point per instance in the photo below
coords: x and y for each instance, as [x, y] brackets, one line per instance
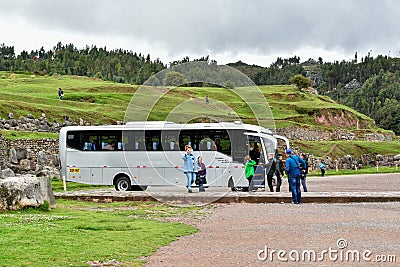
[201, 174]
[279, 172]
[304, 172]
[322, 167]
[190, 167]
[249, 170]
[293, 172]
[255, 154]
[271, 167]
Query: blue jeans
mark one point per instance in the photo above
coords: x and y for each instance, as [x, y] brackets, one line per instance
[294, 181]
[304, 184]
[190, 179]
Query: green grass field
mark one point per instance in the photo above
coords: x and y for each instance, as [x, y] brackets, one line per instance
[75, 233]
[57, 186]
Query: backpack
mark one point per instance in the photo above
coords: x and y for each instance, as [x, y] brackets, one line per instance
[322, 166]
[303, 170]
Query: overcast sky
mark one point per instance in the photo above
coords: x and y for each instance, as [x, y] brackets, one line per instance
[256, 31]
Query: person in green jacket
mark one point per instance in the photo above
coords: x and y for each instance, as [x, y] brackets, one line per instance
[249, 169]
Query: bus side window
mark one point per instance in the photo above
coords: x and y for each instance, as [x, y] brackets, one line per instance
[170, 140]
[153, 139]
[188, 137]
[131, 140]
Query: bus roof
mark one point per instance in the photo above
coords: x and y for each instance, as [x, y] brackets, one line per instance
[166, 125]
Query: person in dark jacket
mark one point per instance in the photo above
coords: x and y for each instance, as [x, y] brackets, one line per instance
[271, 167]
[255, 154]
[279, 172]
[304, 172]
[201, 174]
[60, 93]
[293, 172]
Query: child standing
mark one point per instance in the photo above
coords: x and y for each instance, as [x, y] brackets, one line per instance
[322, 166]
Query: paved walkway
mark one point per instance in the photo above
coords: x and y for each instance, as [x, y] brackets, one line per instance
[330, 189]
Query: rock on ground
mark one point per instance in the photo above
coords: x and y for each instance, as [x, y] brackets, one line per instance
[25, 191]
[7, 173]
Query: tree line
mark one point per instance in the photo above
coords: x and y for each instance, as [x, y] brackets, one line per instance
[115, 65]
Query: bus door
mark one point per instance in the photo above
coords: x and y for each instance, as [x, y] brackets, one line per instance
[257, 152]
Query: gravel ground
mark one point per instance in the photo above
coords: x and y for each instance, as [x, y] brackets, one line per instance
[354, 183]
[234, 234]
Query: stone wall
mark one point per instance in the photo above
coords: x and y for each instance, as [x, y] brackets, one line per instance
[350, 162]
[29, 123]
[312, 134]
[32, 147]
[37, 157]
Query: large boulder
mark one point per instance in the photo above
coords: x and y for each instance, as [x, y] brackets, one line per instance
[13, 156]
[25, 164]
[21, 153]
[25, 191]
[7, 172]
[42, 158]
[55, 160]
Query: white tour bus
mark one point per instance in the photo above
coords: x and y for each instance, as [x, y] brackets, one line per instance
[141, 154]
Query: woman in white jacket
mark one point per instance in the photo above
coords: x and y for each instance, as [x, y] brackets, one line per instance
[190, 166]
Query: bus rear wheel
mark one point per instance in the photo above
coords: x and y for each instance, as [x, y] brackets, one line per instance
[122, 184]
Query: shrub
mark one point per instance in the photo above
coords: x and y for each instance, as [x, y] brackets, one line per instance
[45, 206]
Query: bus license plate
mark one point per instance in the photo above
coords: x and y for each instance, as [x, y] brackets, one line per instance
[76, 170]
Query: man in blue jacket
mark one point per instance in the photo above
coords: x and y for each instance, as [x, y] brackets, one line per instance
[293, 172]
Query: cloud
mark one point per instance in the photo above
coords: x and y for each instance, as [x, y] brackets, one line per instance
[225, 26]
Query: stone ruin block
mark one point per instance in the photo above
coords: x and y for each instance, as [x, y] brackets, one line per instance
[25, 191]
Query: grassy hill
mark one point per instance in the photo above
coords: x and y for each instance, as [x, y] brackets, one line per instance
[97, 101]
[91, 99]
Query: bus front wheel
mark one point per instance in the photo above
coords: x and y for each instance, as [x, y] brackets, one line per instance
[122, 184]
